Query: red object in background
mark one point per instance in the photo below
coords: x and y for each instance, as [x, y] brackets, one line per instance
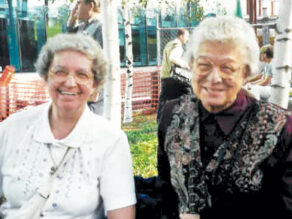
[7, 75]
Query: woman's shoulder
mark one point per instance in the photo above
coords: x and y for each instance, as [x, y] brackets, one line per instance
[170, 107]
[29, 114]
[99, 124]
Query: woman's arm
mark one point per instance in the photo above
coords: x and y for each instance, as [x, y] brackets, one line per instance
[169, 197]
[122, 213]
[284, 156]
[117, 187]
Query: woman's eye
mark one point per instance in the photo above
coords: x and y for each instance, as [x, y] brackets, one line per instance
[60, 72]
[227, 69]
[204, 66]
[82, 75]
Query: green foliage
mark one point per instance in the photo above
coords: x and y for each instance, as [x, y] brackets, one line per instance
[143, 141]
[63, 13]
[193, 11]
[143, 3]
[54, 30]
[144, 157]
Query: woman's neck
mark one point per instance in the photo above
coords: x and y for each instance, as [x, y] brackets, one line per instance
[62, 123]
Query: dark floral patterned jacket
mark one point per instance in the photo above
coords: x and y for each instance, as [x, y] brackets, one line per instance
[247, 175]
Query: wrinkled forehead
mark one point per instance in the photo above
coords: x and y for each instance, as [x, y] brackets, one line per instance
[225, 48]
[219, 53]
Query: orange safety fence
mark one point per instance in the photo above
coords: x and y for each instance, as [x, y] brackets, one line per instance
[20, 93]
[145, 94]
[30, 91]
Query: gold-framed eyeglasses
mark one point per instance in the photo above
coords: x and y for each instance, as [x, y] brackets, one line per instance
[226, 70]
[80, 77]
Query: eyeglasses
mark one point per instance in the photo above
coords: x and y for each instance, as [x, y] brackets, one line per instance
[80, 77]
[226, 70]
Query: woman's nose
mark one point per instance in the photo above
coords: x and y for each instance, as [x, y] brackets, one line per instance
[215, 76]
[70, 81]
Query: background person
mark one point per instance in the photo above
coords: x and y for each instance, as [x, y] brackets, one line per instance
[258, 84]
[86, 18]
[223, 153]
[34, 142]
[265, 69]
[173, 56]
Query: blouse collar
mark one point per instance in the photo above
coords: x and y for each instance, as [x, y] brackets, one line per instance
[75, 138]
[227, 118]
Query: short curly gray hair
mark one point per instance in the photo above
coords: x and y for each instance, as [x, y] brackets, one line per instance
[76, 42]
[227, 29]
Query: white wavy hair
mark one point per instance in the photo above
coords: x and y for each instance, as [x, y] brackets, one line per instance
[226, 29]
[76, 42]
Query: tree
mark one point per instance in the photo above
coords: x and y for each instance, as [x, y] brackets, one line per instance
[192, 11]
[128, 117]
[110, 34]
[282, 63]
[128, 113]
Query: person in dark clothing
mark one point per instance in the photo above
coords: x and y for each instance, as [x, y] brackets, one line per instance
[222, 153]
[86, 18]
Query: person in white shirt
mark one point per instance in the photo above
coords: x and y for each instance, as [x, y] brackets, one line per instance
[96, 177]
[259, 84]
[265, 69]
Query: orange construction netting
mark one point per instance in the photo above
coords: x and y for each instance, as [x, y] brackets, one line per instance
[20, 93]
[30, 91]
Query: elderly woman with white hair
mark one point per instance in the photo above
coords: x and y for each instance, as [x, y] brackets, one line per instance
[59, 160]
[222, 153]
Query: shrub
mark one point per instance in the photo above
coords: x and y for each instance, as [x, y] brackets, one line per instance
[143, 142]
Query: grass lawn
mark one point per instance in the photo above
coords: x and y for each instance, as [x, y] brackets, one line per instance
[143, 141]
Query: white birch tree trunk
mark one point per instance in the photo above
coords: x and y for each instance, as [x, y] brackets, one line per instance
[110, 34]
[282, 62]
[128, 114]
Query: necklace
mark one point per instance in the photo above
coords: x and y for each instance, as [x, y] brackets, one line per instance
[56, 166]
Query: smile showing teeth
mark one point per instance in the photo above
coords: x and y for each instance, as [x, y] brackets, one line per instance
[213, 90]
[67, 93]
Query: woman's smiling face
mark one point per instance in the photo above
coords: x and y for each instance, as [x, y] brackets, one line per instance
[70, 80]
[218, 75]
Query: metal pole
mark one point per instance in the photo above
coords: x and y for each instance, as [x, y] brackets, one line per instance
[13, 37]
[253, 12]
[158, 41]
[266, 29]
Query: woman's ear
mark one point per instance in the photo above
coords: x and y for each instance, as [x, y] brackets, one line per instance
[94, 94]
[192, 63]
[45, 78]
[246, 71]
[92, 5]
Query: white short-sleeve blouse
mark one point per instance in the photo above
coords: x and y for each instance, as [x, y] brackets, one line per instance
[99, 168]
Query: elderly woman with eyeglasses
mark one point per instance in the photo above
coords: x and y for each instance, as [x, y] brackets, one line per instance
[222, 153]
[88, 158]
